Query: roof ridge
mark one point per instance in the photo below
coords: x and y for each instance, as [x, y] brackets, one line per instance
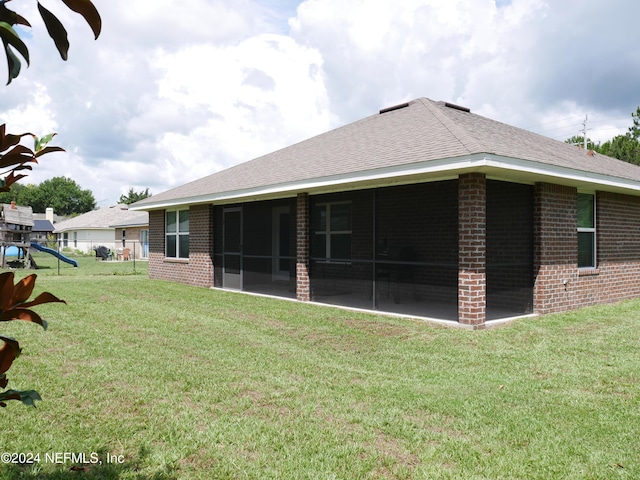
[466, 139]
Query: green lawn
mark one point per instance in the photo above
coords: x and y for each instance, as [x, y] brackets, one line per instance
[183, 382]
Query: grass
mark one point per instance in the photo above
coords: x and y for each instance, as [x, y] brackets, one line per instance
[183, 382]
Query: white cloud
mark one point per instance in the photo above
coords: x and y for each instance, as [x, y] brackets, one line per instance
[32, 114]
[260, 95]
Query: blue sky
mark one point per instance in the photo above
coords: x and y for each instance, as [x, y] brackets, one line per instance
[170, 93]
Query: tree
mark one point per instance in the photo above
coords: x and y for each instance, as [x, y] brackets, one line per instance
[578, 140]
[624, 147]
[13, 43]
[60, 193]
[13, 194]
[133, 196]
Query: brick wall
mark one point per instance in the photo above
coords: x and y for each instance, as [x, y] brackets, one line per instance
[472, 301]
[617, 275]
[132, 240]
[198, 269]
[555, 217]
[559, 284]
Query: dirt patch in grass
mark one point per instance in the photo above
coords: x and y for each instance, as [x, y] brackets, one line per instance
[392, 447]
[584, 328]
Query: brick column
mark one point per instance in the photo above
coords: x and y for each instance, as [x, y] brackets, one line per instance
[472, 249]
[303, 289]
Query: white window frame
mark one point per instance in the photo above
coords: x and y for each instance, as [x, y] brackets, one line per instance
[328, 232]
[177, 234]
[591, 230]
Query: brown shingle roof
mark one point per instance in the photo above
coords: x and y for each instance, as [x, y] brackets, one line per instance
[422, 131]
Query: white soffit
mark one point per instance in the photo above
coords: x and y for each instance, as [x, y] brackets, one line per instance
[495, 167]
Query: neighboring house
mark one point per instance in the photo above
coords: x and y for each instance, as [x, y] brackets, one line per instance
[96, 228]
[42, 229]
[44, 226]
[49, 215]
[423, 209]
[133, 233]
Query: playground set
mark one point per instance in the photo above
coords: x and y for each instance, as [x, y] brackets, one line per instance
[16, 223]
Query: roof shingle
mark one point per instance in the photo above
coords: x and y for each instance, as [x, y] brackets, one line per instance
[103, 218]
[422, 131]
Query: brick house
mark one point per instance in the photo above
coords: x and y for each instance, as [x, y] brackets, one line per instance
[423, 209]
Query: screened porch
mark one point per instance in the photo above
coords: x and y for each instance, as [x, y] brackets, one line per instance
[391, 249]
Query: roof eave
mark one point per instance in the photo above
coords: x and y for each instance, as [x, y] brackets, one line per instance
[78, 228]
[495, 166]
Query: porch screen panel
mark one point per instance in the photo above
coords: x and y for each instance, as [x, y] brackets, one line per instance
[416, 249]
[217, 245]
[269, 257]
[509, 249]
[341, 267]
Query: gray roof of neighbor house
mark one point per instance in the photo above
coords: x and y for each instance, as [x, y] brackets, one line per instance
[419, 139]
[140, 220]
[103, 218]
[42, 225]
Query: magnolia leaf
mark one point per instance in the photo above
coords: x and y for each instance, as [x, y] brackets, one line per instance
[9, 351]
[23, 314]
[46, 150]
[10, 180]
[13, 62]
[39, 143]
[16, 159]
[9, 140]
[56, 31]
[6, 289]
[27, 397]
[4, 381]
[20, 20]
[23, 167]
[44, 297]
[23, 289]
[10, 36]
[11, 17]
[13, 299]
[89, 12]
[18, 149]
[8, 16]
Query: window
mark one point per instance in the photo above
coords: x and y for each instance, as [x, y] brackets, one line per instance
[586, 231]
[332, 231]
[177, 234]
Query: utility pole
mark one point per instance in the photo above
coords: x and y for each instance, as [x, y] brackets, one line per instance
[584, 131]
